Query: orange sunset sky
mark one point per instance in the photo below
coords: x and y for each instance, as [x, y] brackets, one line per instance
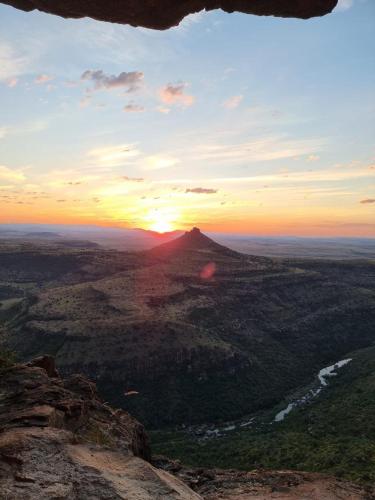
[232, 123]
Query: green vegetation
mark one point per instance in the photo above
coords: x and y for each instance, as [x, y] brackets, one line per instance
[334, 434]
[7, 358]
[96, 434]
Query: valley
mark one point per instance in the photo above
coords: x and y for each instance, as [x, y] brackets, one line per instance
[189, 332]
[332, 433]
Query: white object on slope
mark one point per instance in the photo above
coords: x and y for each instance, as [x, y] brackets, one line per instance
[328, 371]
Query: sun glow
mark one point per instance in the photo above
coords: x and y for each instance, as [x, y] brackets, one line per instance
[161, 220]
[161, 226]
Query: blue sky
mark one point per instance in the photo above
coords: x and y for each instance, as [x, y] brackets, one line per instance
[233, 122]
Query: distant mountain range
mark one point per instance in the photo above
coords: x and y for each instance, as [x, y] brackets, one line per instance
[140, 239]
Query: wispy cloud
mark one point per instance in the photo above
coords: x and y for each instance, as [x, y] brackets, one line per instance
[200, 190]
[43, 78]
[159, 161]
[12, 82]
[26, 128]
[111, 156]
[3, 132]
[344, 5]
[163, 109]
[12, 63]
[133, 108]
[130, 81]
[132, 179]
[328, 175]
[283, 177]
[175, 94]
[85, 101]
[367, 201]
[233, 102]
[261, 149]
[9, 174]
[313, 158]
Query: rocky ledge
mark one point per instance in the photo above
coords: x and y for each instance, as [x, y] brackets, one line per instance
[163, 14]
[264, 484]
[59, 440]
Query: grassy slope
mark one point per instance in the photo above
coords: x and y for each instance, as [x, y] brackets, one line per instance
[335, 434]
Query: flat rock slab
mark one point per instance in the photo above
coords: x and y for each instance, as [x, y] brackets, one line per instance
[163, 14]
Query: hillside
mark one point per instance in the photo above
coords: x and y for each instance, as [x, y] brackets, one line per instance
[195, 332]
[334, 433]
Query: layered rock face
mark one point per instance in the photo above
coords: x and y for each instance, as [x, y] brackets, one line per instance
[163, 14]
[58, 440]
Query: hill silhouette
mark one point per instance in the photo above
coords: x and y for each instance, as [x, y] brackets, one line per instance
[193, 240]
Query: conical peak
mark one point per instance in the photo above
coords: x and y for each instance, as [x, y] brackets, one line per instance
[193, 240]
[194, 232]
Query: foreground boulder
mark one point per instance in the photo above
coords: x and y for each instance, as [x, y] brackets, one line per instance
[58, 440]
[163, 14]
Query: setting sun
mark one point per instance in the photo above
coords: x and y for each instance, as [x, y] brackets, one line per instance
[162, 220]
[161, 226]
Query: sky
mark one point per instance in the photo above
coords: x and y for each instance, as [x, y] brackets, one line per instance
[229, 122]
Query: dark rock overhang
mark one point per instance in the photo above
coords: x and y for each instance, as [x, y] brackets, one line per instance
[163, 14]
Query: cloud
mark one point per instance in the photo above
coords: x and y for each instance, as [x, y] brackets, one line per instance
[85, 101]
[313, 158]
[200, 190]
[12, 82]
[289, 178]
[132, 179]
[11, 63]
[130, 81]
[133, 108]
[233, 102]
[156, 162]
[174, 94]
[111, 156]
[3, 132]
[43, 78]
[27, 128]
[367, 200]
[11, 175]
[163, 109]
[262, 149]
[344, 5]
